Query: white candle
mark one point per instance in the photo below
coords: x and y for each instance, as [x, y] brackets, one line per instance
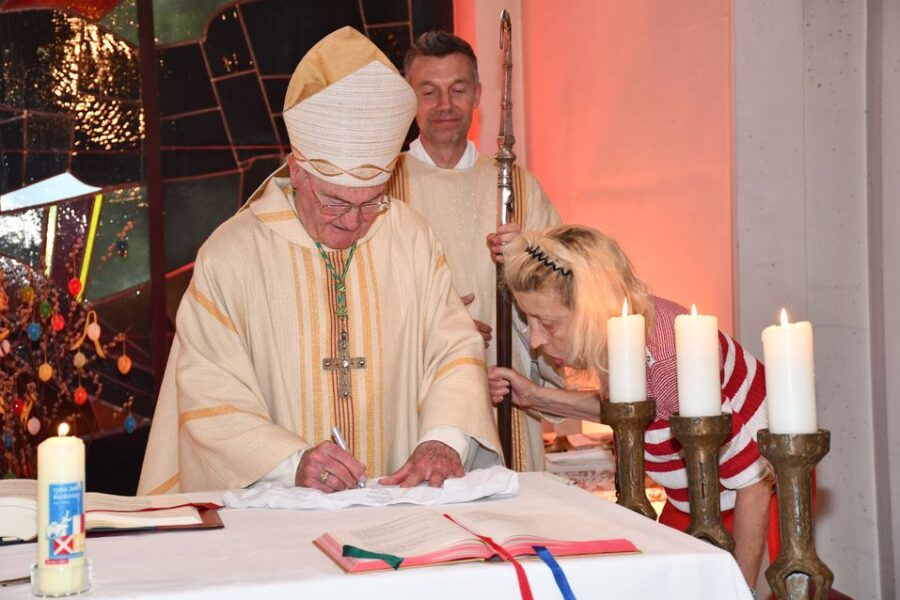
[60, 525]
[790, 388]
[697, 360]
[627, 357]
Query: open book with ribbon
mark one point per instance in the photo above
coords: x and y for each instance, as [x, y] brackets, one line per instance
[419, 537]
[105, 514]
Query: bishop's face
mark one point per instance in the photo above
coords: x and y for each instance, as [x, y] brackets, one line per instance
[548, 323]
[335, 215]
[447, 94]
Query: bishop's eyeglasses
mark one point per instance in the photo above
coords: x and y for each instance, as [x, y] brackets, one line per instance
[339, 209]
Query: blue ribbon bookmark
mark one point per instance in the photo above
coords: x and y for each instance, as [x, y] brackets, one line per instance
[561, 582]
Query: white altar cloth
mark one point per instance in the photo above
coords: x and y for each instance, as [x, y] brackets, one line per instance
[268, 554]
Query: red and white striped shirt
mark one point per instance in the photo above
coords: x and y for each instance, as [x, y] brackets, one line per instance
[743, 395]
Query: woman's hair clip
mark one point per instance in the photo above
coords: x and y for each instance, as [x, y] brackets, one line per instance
[542, 257]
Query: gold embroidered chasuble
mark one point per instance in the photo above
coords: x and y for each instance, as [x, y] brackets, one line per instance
[461, 204]
[245, 389]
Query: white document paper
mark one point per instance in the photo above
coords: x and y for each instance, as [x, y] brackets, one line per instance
[482, 483]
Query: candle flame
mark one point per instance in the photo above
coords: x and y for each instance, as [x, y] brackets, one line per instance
[784, 317]
[693, 310]
[625, 307]
[63, 429]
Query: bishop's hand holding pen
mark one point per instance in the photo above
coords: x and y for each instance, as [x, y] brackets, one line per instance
[329, 467]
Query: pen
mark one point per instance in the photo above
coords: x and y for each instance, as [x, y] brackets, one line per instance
[338, 438]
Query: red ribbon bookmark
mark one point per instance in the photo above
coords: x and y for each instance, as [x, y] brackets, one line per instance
[524, 588]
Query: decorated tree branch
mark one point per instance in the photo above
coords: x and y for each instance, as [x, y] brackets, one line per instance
[51, 343]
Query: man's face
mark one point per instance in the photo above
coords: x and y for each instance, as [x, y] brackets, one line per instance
[447, 95]
[335, 231]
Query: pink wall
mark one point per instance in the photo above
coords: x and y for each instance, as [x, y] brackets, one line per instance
[629, 130]
[628, 123]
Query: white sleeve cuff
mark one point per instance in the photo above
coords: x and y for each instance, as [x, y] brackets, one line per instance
[451, 436]
[285, 472]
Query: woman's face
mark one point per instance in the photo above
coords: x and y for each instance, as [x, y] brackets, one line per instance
[548, 322]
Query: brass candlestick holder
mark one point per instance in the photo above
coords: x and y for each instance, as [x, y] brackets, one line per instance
[701, 438]
[629, 420]
[793, 457]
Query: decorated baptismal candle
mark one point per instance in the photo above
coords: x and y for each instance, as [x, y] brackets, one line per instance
[627, 356]
[60, 518]
[697, 365]
[790, 389]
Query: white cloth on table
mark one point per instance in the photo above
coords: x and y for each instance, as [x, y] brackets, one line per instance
[495, 482]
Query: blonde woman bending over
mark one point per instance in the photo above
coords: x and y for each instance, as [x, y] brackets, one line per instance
[568, 281]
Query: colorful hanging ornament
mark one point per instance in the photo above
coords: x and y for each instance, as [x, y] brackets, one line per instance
[4, 299]
[34, 425]
[80, 395]
[8, 439]
[34, 331]
[122, 248]
[27, 405]
[130, 421]
[5, 348]
[45, 372]
[79, 360]
[91, 327]
[26, 294]
[74, 286]
[18, 406]
[45, 309]
[124, 363]
[57, 321]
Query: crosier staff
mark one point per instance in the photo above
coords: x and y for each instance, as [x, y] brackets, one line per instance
[505, 206]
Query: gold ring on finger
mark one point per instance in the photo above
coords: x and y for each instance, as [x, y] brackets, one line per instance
[323, 476]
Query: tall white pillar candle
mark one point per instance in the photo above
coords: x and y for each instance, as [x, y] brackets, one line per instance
[790, 376]
[60, 518]
[697, 360]
[627, 357]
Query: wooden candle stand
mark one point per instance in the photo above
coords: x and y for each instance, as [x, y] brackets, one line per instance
[793, 457]
[701, 438]
[629, 420]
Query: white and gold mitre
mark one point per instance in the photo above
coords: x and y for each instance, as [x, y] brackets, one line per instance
[347, 111]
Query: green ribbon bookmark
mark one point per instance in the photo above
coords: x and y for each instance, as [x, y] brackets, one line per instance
[354, 552]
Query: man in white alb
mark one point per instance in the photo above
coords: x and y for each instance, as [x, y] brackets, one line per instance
[455, 188]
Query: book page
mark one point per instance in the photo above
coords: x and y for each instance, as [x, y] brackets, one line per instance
[184, 515]
[27, 489]
[18, 509]
[503, 527]
[18, 488]
[108, 502]
[409, 534]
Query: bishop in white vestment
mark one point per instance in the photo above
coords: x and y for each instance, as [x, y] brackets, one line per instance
[282, 335]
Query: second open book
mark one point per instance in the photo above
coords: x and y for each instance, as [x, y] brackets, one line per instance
[421, 537]
[103, 512]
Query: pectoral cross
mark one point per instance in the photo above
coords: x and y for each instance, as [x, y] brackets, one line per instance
[342, 363]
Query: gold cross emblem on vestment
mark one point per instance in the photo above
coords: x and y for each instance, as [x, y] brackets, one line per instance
[342, 363]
